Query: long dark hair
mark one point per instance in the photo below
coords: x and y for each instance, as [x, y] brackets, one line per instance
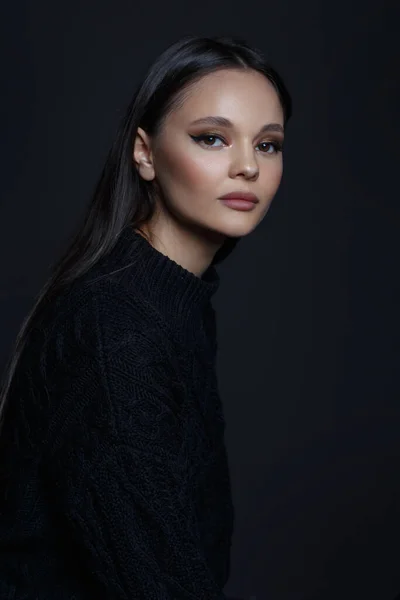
[121, 197]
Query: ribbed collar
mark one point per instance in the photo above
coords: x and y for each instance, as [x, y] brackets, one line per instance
[176, 293]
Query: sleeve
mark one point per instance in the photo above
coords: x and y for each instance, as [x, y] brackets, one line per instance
[121, 472]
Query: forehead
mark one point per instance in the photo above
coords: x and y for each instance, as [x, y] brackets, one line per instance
[245, 97]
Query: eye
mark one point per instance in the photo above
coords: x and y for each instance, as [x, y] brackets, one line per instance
[207, 137]
[211, 137]
[276, 146]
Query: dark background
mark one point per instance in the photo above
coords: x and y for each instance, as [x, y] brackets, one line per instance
[309, 347]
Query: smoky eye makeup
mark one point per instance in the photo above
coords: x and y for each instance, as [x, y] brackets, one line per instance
[202, 139]
[207, 136]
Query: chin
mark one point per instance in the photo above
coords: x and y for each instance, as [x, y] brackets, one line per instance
[238, 229]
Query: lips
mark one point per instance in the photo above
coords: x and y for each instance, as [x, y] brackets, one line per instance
[240, 196]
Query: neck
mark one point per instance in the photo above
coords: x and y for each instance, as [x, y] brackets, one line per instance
[178, 296]
[192, 248]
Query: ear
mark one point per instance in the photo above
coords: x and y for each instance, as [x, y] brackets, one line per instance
[142, 155]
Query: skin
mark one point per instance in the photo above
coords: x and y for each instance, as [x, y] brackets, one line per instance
[191, 222]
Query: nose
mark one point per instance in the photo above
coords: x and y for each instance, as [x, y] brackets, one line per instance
[244, 163]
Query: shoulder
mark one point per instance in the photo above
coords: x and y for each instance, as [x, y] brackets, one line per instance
[96, 318]
[85, 339]
[99, 358]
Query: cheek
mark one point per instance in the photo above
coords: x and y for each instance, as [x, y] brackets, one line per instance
[185, 170]
[272, 176]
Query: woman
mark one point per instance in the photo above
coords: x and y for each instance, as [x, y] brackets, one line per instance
[114, 473]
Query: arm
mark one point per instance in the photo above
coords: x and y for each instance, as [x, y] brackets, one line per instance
[122, 482]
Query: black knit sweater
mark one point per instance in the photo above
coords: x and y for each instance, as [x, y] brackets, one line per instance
[114, 479]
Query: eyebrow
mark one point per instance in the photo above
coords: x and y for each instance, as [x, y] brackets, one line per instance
[223, 122]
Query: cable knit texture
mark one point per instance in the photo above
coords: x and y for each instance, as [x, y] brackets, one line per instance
[114, 478]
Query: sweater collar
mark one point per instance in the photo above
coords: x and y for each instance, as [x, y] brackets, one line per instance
[177, 294]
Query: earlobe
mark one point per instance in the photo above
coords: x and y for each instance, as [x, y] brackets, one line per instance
[142, 156]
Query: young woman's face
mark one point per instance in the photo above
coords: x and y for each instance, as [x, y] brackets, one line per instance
[197, 163]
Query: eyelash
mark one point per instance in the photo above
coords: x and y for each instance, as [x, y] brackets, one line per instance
[198, 138]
